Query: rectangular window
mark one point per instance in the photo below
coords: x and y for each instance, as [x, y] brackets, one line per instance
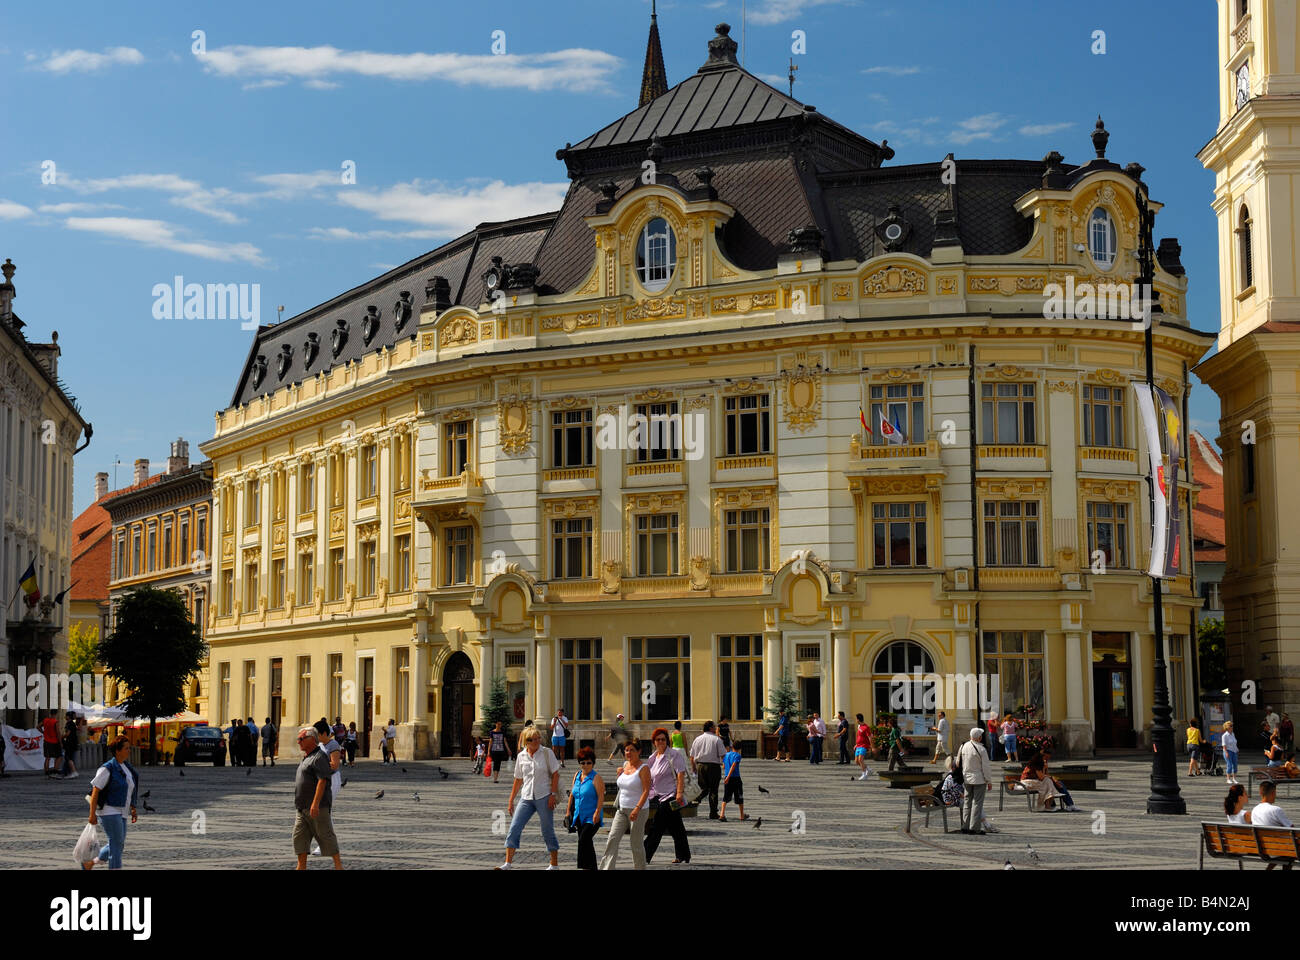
[748, 536]
[227, 592]
[740, 678]
[571, 438]
[659, 430]
[456, 447]
[898, 534]
[1103, 416]
[167, 559]
[656, 545]
[277, 583]
[1177, 697]
[252, 503]
[903, 404]
[153, 549]
[808, 653]
[198, 614]
[581, 677]
[184, 541]
[307, 488]
[571, 548]
[1108, 532]
[120, 571]
[459, 555]
[336, 684]
[250, 687]
[201, 538]
[1007, 411]
[402, 683]
[369, 466]
[306, 577]
[304, 691]
[1016, 658]
[1247, 468]
[367, 562]
[748, 424]
[223, 692]
[250, 587]
[336, 573]
[1011, 533]
[402, 563]
[666, 663]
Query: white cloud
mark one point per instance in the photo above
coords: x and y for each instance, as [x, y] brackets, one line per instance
[383, 266]
[9, 210]
[190, 194]
[62, 209]
[894, 71]
[288, 184]
[345, 233]
[450, 211]
[982, 127]
[156, 233]
[86, 61]
[1042, 129]
[768, 12]
[781, 82]
[574, 69]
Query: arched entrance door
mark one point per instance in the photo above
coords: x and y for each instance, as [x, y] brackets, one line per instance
[896, 691]
[457, 705]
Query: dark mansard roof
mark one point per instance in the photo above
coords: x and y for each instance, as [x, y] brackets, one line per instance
[779, 163]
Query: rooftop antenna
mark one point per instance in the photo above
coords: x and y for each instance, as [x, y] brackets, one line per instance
[793, 70]
[117, 460]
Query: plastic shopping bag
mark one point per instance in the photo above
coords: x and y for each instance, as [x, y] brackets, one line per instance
[487, 768]
[88, 845]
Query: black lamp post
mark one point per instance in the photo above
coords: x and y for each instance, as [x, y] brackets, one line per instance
[1165, 796]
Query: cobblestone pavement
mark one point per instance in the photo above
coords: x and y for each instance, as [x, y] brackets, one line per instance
[248, 816]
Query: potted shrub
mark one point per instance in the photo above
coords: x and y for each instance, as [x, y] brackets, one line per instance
[784, 698]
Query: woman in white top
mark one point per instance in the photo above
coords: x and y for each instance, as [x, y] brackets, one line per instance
[114, 790]
[633, 794]
[1234, 804]
[1228, 742]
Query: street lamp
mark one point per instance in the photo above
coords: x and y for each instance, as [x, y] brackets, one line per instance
[1165, 796]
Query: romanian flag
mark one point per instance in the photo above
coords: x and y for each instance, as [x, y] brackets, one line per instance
[863, 417]
[31, 592]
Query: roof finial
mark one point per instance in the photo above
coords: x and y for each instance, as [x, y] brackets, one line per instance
[1100, 138]
[654, 78]
[722, 50]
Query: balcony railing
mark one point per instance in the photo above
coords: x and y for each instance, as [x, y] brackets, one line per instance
[1012, 451]
[753, 462]
[1113, 454]
[657, 468]
[569, 473]
[1241, 34]
[1019, 578]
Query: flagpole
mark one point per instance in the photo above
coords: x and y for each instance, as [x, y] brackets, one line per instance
[1165, 796]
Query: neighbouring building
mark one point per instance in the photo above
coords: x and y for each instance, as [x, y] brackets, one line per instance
[613, 453]
[1209, 541]
[40, 426]
[92, 557]
[160, 539]
[1256, 370]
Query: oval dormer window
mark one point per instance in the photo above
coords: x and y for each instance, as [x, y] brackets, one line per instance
[656, 255]
[1101, 239]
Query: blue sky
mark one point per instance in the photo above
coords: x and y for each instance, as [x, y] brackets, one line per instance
[227, 168]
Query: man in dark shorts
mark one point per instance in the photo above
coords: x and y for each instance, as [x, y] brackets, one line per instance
[311, 799]
[783, 737]
[498, 745]
[53, 748]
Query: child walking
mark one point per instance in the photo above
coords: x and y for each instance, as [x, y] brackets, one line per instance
[733, 789]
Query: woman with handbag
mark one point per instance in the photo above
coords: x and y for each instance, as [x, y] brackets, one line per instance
[633, 795]
[585, 800]
[668, 789]
[115, 788]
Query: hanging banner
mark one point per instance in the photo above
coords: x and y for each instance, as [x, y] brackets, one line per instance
[24, 749]
[1163, 425]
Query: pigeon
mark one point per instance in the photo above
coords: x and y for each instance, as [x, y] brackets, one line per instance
[344, 783]
[1033, 854]
[182, 773]
[443, 773]
[1006, 865]
[758, 823]
[379, 795]
[416, 797]
[403, 770]
[149, 809]
[250, 772]
[764, 790]
[145, 795]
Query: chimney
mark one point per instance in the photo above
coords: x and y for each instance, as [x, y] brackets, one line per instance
[101, 486]
[141, 471]
[180, 456]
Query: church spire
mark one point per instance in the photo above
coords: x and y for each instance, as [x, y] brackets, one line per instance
[654, 79]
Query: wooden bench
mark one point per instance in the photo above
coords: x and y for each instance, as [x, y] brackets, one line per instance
[906, 779]
[923, 800]
[1278, 775]
[1011, 784]
[1074, 776]
[1244, 841]
[610, 806]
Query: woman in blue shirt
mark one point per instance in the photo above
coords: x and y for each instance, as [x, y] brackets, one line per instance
[117, 785]
[585, 801]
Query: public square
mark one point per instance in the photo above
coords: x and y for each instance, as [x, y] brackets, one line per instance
[248, 817]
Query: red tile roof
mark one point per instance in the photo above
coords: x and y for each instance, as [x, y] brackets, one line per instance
[1207, 519]
[92, 550]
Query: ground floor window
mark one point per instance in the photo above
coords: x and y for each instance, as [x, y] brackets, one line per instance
[581, 677]
[911, 701]
[740, 678]
[659, 676]
[1016, 656]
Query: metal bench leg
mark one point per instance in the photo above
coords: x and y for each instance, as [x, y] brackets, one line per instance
[1002, 796]
[944, 810]
[910, 804]
[927, 818]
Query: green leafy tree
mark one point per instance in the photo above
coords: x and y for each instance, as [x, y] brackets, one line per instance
[153, 650]
[784, 698]
[83, 647]
[498, 705]
[1213, 652]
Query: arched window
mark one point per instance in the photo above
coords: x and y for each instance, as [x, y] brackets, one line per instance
[656, 255]
[1102, 240]
[1243, 247]
[913, 701]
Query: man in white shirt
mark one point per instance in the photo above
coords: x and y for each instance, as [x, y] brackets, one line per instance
[390, 742]
[536, 783]
[1266, 812]
[707, 754]
[559, 734]
[940, 730]
[978, 775]
[1271, 722]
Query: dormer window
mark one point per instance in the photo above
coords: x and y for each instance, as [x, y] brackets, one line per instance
[656, 255]
[1102, 239]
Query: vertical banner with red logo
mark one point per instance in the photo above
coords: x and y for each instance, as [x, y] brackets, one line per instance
[1163, 425]
[24, 749]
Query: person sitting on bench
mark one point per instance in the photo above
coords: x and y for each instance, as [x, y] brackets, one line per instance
[1035, 777]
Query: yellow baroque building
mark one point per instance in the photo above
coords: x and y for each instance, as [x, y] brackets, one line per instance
[616, 454]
